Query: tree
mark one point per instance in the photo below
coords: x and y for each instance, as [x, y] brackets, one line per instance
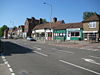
[2, 30]
[44, 20]
[14, 27]
[86, 15]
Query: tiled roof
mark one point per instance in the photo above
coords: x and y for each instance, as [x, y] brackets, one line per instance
[69, 25]
[95, 17]
[59, 25]
[48, 25]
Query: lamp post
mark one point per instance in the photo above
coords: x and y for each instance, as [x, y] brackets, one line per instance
[50, 14]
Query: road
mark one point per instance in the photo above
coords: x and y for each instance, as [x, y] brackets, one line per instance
[31, 58]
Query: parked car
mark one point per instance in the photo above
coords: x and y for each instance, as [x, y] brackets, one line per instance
[30, 39]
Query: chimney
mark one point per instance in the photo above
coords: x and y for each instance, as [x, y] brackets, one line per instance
[40, 21]
[54, 19]
[33, 18]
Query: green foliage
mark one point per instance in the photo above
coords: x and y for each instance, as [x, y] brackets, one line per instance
[44, 20]
[14, 27]
[86, 15]
[2, 30]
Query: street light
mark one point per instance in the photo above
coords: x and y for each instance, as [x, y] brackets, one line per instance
[50, 13]
[50, 10]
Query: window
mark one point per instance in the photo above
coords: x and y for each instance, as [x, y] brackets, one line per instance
[85, 35]
[75, 34]
[92, 25]
[50, 34]
[92, 36]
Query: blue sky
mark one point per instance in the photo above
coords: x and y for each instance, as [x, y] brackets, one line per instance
[15, 12]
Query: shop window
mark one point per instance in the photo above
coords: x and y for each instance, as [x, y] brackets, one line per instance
[37, 34]
[92, 36]
[75, 34]
[72, 34]
[50, 34]
[43, 34]
[85, 35]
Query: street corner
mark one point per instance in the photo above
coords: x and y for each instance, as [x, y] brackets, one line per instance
[1, 61]
[4, 69]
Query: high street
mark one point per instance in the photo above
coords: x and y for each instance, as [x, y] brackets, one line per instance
[32, 58]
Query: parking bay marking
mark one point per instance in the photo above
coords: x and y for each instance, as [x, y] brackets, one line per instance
[95, 57]
[91, 61]
[62, 50]
[37, 48]
[65, 51]
[40, 53]
[79, 67]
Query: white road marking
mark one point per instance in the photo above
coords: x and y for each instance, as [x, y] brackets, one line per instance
[6, 63]
[37, 48]
[90, 49]
[65, 51]
[40, 53]
[62, 50]
[91, 61]
[3, 57]
[12, 73]
[80, 67]
[4, 60]
[11, 70]
[95, 57]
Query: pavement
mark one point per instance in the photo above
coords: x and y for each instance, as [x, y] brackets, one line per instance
[75, 44]
[3, 68]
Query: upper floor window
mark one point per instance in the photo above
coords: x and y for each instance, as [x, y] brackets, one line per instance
[92, 25]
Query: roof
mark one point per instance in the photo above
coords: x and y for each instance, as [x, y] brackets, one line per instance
[59, 25]
[69, 25]
[95, 17]
[48, 25]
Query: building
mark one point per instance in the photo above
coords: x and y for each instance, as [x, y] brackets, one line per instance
[91, 28]
[45, 31]
[30, 23]
[20, 31]
[6, 33]
[69, 31]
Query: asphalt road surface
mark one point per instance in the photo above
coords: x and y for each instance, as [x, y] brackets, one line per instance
[31, 58]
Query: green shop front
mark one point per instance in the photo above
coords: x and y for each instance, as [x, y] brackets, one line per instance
[74, 34]
[59, 34]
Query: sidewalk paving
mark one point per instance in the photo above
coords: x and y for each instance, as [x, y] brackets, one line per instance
[73, 44]
[4, 70]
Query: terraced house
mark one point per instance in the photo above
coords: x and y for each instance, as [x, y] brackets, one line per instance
[91, 28]
[88, 30]
[45, 31]
[69, 31]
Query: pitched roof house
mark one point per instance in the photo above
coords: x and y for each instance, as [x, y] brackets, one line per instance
[30, 23]
[91, 28]
[46, 29]
[69, 31]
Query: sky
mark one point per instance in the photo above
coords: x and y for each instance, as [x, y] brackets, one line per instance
[14, 12]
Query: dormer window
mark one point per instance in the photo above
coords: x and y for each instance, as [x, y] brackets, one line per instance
[92, 25]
